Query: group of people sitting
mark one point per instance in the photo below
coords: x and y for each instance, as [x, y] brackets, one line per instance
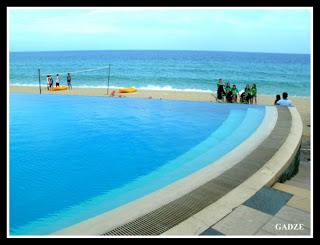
[284, 101]
[226, 93]
[50, 81]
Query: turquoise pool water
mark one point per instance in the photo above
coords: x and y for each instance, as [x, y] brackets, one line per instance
[74, 157]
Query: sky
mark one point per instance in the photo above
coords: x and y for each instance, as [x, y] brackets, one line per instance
[275, 30]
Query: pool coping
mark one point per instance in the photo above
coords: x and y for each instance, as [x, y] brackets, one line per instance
[170, 215]
[265, 176]
[101, 224]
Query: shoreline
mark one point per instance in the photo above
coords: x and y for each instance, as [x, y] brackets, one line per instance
[302, 103]
[163, 89]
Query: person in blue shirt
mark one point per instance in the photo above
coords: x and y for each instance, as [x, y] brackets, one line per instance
[284, 101]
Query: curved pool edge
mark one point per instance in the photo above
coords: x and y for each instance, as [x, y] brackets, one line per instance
[267, 175]
[131, 211]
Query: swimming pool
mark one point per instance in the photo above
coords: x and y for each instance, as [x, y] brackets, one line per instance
[75, 157]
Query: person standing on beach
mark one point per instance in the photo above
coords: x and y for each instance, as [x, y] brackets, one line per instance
[250, 98]
[69, 81]
[247, 94]
[254, 94]
[220, 92]
[284, 101]
[235, 93]
[228, 93]
[227, 87]
[49, 82]
[51, 79]
[58, 81]
[219, 82]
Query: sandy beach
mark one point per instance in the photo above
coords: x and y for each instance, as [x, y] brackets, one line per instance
[302, 103]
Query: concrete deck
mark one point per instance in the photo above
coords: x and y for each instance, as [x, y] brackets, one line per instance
[272, 218]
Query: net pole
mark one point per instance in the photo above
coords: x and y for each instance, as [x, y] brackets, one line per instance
[108, 80]
[39, 80]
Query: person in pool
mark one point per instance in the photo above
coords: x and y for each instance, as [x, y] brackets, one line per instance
[277, 99]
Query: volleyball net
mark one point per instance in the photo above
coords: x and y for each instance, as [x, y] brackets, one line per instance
[41, 75]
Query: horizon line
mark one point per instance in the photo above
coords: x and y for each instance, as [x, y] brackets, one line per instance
[191, 50]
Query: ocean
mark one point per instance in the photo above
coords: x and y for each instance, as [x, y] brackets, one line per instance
[166, 70]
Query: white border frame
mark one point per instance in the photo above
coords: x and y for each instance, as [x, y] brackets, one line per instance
[164, 8]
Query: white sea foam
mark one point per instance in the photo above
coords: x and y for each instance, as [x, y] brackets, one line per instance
[24, 84]
[151, 87]
[97, 86]
[170, 88]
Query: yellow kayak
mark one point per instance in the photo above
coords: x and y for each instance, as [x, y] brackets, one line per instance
[127, 90]
[59, 88]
